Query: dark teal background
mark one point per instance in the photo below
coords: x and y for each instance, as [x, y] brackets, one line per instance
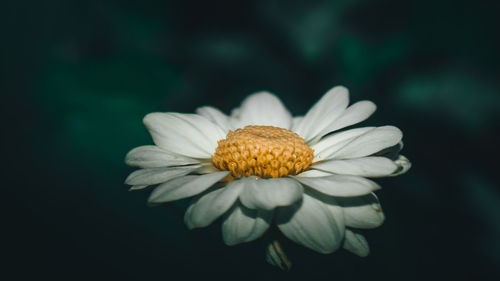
[78, 76]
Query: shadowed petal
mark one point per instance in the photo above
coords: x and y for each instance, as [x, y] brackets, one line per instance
[212, 205]
[244, 225]
[362, 212]
[356, 243]
[268, 194]
[313, 224]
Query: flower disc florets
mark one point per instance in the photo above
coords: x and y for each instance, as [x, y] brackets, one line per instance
[264, 151]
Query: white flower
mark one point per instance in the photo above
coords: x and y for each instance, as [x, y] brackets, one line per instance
[261, 166]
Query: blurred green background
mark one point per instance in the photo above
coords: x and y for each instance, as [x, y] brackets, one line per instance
[78, 76]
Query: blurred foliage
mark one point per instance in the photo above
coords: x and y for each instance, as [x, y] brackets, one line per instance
[84, 73]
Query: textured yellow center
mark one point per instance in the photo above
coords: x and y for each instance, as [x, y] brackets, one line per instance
[264, 151]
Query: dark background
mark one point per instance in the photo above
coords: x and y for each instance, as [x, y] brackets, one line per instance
[78, 76]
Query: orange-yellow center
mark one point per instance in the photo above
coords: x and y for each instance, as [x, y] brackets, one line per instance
[264, 151]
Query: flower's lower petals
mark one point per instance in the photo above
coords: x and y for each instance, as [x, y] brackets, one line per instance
[340, 185]
[184, 187]
[244, 225]
[212, 205]
[362, 212]
[268, 194]
[313, 224]
[356, 243]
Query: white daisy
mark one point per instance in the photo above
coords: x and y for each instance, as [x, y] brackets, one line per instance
[260, 167]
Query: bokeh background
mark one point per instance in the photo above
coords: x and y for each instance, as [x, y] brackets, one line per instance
[78, 76]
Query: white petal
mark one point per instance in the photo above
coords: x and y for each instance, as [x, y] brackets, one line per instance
[244, 225]
[340, 185]
[216, 116]
[268, 194]
[158, 175]
[264, 108]
[370, 142]
[313, 174]
[212, 205]
[323, 113]
[296, 121]
[403, 165]
[352, 115]
[313, 224]
[190, 135]
[184, 187]
[234, 119]
[362, 212]
[356, 243]
[366, 167]
[330, 144]
[151, 156]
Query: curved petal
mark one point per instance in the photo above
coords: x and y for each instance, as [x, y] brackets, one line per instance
[323, 113]
[362, 212]
[264, 108]
[366, 167]
[158, 175]
[151, 156]
[190, 135]
[216, 116]
[313, 224]
[137, 187]
[184, 187]
[340, 185]
[391, 152]
[268, 194]
[212, 205]
[403, 165]
[370, 143]
[330, 144]
[244, 225]
[356, 243]
[352, 115]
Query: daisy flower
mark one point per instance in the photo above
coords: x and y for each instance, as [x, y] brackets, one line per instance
[260, 167]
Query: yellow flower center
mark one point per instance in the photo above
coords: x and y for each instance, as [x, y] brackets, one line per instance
[264, 151]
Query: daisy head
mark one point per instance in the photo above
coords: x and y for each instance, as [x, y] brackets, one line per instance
[259, 166]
